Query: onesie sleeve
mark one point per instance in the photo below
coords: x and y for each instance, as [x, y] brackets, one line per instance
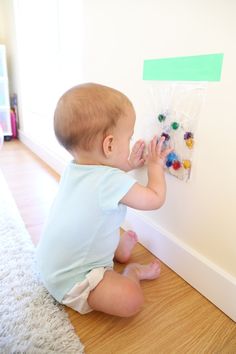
[114, 186]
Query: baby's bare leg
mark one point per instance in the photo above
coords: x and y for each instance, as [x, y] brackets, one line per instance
[121, 294]
[127, 242]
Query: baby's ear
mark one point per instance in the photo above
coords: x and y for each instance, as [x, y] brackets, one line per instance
[108, 145]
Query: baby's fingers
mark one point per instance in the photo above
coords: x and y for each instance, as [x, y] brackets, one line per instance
[140, 149]
[153, 144]
[159, 146]
[167, 151]
[152, 147]
[138, 146]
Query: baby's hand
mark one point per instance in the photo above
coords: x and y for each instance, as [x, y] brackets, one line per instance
[136, 158]
[156, 152]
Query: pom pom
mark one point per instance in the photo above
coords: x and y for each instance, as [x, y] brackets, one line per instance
[161, 117]
[176, 165]
[175, 125]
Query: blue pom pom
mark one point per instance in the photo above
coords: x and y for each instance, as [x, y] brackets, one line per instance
[168, 163]
[172, 157]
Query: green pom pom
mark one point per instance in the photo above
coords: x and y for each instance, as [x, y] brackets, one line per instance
[161, 117]
[175, 125]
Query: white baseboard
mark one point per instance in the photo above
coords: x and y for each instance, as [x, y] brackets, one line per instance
[54, 161]
[210, 280]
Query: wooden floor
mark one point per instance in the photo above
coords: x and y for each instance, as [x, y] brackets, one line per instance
[175, 318]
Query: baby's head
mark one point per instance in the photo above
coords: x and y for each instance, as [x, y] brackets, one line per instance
[92, 116]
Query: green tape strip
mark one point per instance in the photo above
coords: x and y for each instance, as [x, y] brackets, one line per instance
[193, 68]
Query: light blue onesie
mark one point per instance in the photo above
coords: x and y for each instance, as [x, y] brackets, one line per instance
[82, 231]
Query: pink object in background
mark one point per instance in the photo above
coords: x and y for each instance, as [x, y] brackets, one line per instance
[13, 124]
[1, 137]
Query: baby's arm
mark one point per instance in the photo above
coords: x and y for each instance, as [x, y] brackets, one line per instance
[153, 195]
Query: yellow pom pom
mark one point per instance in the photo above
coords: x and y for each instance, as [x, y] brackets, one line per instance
[189, 143]
[186, 164]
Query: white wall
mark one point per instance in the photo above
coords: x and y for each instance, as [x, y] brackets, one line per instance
[49, 36]
[2, 23]
[120, 35]
[7, 37]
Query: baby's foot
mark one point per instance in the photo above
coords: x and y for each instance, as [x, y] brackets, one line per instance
[149, 271]
[127, 242]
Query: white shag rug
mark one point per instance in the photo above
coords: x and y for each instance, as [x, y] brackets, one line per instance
[31, 321]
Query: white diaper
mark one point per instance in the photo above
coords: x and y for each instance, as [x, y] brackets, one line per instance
[77, 297]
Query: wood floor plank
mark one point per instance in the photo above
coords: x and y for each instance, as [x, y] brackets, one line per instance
[175, 318]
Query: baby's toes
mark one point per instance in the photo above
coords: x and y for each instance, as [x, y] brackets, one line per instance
[133, 235]
[156, 267]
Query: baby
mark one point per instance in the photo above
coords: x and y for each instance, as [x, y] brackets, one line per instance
[81, 238]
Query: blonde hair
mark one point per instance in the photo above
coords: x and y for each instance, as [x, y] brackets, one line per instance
[86, 111]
